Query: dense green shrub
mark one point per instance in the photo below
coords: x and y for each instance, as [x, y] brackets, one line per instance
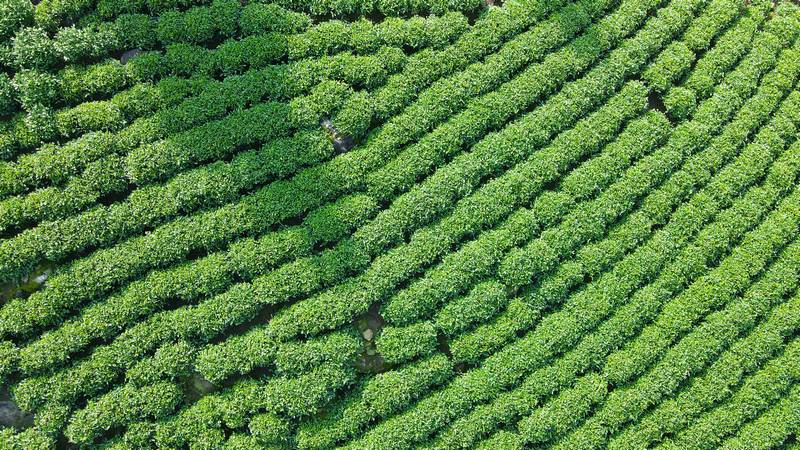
[397, 345]
[14, 14]
[680, 103]
[400, 223]
[8, 95]
[31, 48]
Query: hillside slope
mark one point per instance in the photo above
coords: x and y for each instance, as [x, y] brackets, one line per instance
[382, 224]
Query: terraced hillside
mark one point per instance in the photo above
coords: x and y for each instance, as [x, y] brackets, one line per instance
[384, 224]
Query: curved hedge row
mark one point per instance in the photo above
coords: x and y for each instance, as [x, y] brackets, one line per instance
[756, 394]
[526, 263]
[442, 406]
[97, 226]
[192, 281]
[476, 259]
[76, 83]
[743, 357]
[286, 224]
[256, 51]
[471, 346]
[220, 21]
[379, 397]
[264, 193]
[772, 428]
[140, 100]
[121, 406]
[278, 159]
[678, 57]
[363, 37]
[619, 407]
[449, 94]
[432, 293]
[170, 362]
[610, 109]
[613, 333]
[269, 290]
[240, 296]
[33, 48]
[277, 82]
[514, 408]
[734, 44]
[571, 103]
[289, 397]
[184, 125]
[387, 7]
[511, 405]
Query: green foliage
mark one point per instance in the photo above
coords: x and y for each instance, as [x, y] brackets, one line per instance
[715, 18]
[378, 397]
[365, 37]
[79, 84]
[332, 221]
[202, 201]
[760, 342]
[87, 44]
[670, 65]
[323, 100]
[481, 303]
[397, 345]
[481, 383]
[529, 46]
[772, 428]
[40, 120]
[608, 336]
[564, 411]
[31, 48]
[88, 117]
[389, 392]
[294, 358]
[287, 397]
[479, 258]
[594, 259]
[9, 358]
[135, 31]
[14, 14]
[7, 95]
[337, 8]
[269, 429]
[732, 45]
[491, 156]
[36, 88]
[49, 14]
[613, 411]
[170, 362]
[755, 395]
[258, 18]
[120, 406]
[340, 218]
[680, 103]
[199, 25]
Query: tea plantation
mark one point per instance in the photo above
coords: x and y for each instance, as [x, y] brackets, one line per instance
[391, 224]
